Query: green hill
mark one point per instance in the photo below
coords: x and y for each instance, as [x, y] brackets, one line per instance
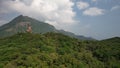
[55, 50]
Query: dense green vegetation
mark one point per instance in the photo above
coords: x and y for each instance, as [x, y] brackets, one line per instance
[54, 50]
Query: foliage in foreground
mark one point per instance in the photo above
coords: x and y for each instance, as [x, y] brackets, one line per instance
[54, 50]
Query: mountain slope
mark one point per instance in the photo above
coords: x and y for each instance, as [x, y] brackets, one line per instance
[19, 24]
[54, 50]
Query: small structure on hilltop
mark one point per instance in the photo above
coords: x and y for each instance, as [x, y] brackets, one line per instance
[29, 28]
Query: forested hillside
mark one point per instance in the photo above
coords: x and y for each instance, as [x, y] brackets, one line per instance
[55, 50]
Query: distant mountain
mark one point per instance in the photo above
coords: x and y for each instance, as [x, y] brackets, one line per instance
[75, 36]
[19, 24]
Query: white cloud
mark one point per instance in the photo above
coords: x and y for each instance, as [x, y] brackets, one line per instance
[82, 5]
[3, 11]
[115, 7]
[94, 0]
[94, 11]
[59, 11]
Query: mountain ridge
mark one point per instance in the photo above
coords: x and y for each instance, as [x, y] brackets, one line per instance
[19, 23]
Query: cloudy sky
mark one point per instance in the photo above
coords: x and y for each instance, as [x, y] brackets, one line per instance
[99, 19]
